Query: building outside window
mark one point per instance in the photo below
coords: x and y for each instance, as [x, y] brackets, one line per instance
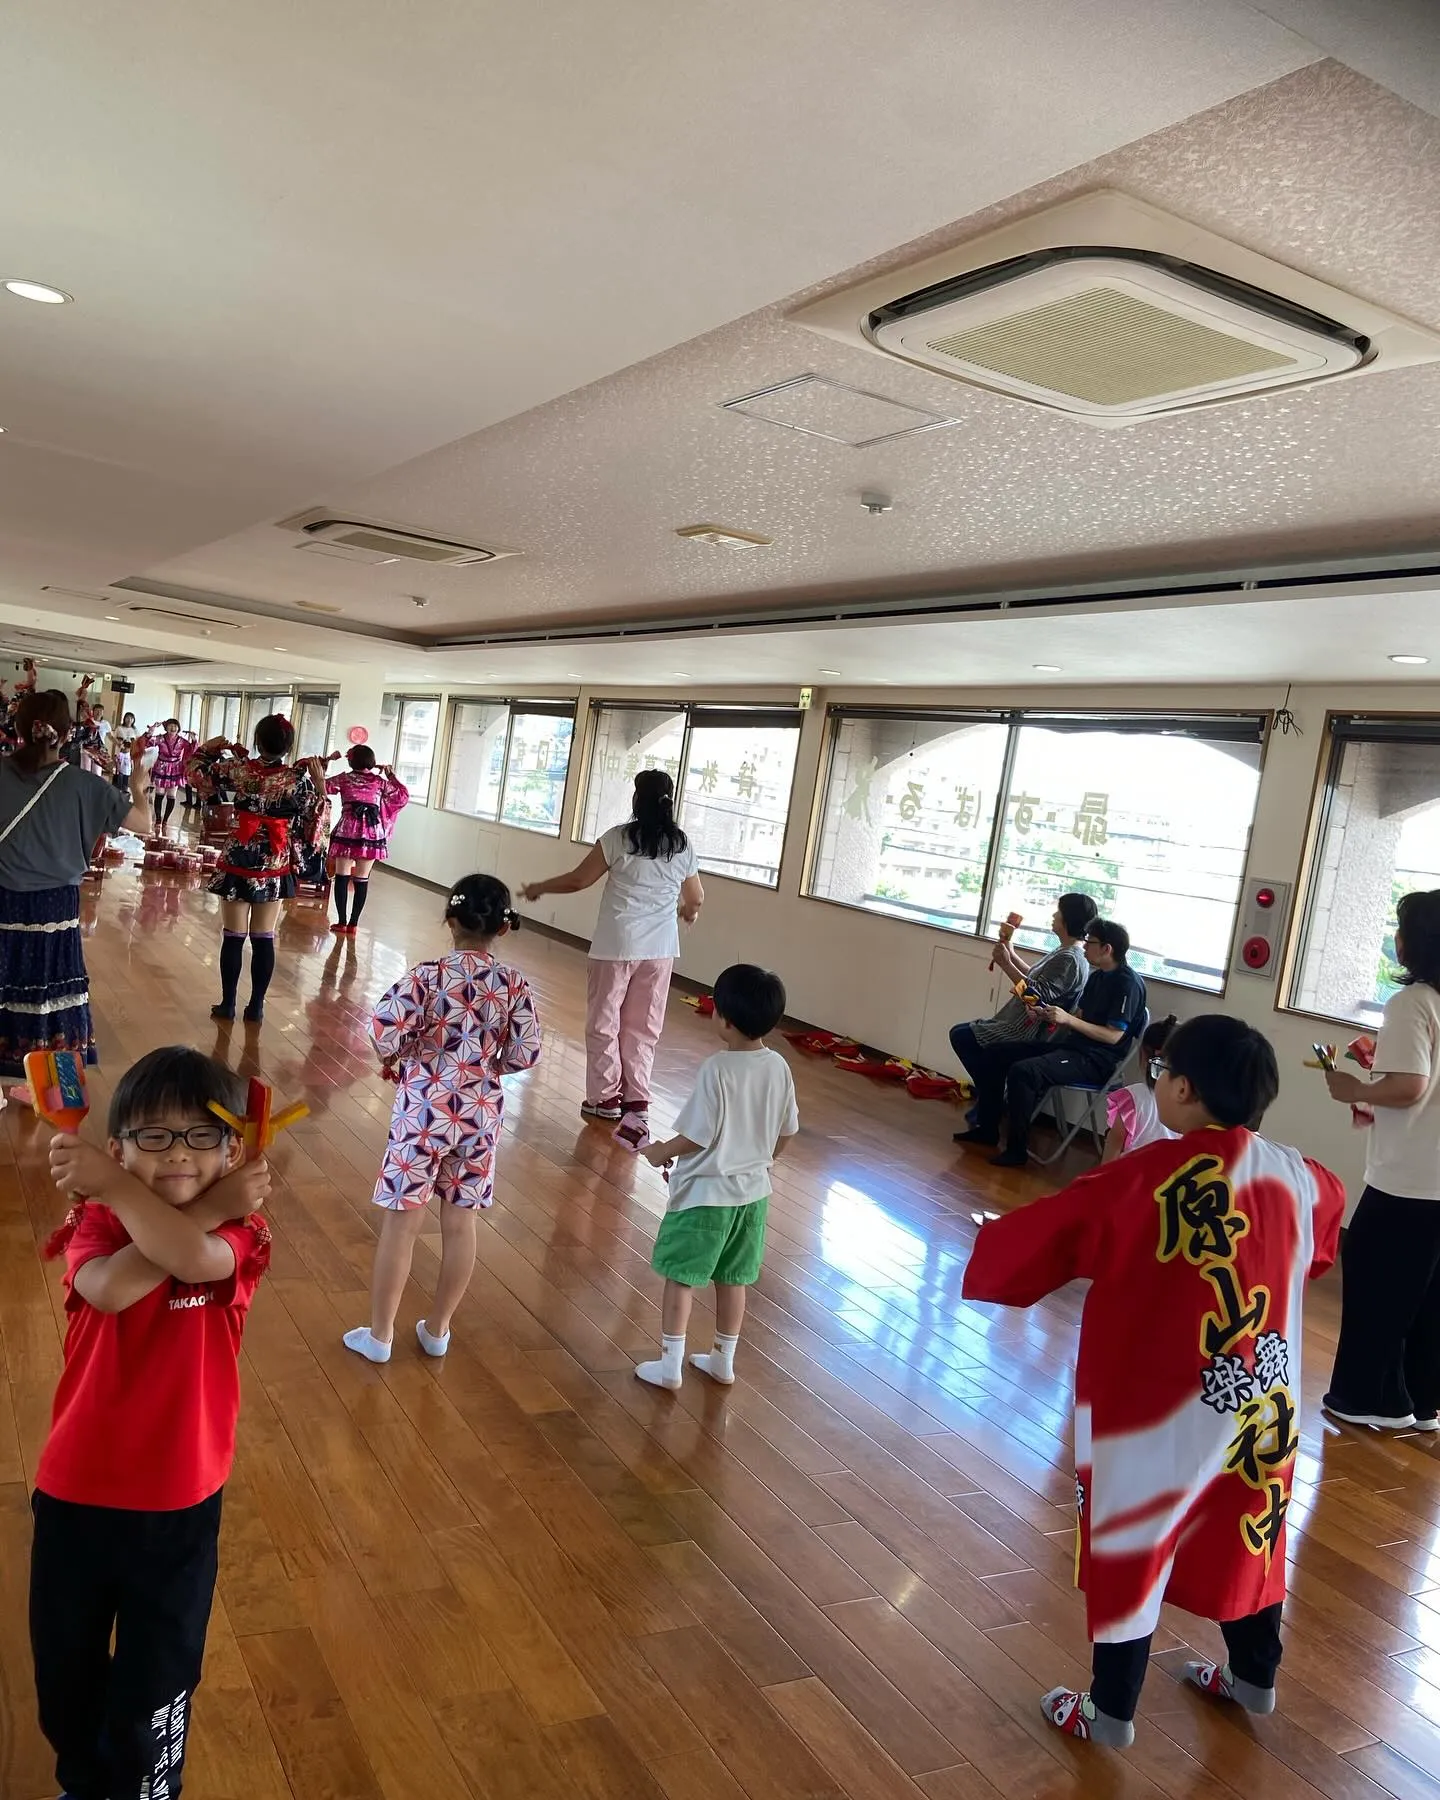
[509, 760]
[956, 820]
[408, 725]
[1377, 838]
[733, 769]
[314, 716]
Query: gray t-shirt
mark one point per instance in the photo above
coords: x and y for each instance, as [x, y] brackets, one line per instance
[1057, 978]
[51, 845]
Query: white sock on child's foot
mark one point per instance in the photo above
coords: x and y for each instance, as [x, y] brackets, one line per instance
[431, 1345]
[365, 1344]
[670, 1367]
[719, 1363]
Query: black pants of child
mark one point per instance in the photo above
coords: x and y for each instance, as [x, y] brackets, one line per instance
[118, 1723]
[1118, 1670]
[1387, 1362]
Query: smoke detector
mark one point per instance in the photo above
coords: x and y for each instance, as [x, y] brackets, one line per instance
[355, 540]
[1112, 311]
[722, 534]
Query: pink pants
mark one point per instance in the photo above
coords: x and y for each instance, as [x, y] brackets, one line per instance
[624, 1016]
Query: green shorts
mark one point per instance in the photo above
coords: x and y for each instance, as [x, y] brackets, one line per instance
[712, 1243]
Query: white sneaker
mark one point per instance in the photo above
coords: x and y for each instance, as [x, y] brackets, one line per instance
[1376, 1421]
[608, 1110]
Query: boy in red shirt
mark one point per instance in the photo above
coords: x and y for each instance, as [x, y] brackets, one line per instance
[162, 1259]
[1187, 1385]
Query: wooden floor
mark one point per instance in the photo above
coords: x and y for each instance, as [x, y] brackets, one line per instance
[522, 1573]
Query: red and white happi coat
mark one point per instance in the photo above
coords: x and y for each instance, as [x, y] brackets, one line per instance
[1188, 1379]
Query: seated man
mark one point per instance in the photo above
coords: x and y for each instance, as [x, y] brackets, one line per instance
[989, 1048]
[1087, 1044]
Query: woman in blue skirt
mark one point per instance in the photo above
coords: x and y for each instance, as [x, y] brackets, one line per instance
[51, 817]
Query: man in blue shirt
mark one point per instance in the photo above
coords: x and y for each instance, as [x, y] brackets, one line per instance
[1088, 1043]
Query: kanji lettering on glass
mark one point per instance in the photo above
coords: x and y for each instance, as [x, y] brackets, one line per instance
[910, 800]
[1272, 1361]
[857, 804]
[1024, 805]
[1261, 1531]
[1265, 1440]
[709, 775]
[1236, 1314]
[612, 762]
[632, 763]
[1226, 1384]
[1197, 1212]
[967, 808]
[745, 781]
[1092, 825]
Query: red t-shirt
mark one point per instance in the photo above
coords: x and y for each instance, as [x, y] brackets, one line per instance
[145, 1412]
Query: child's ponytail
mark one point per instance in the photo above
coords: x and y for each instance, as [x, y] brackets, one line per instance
[480, 906]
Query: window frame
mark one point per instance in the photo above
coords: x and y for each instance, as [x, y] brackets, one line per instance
[1225, 724]
[328, 698]
[703, 715]
[1403, 727]
[402, 700]
[543, 708]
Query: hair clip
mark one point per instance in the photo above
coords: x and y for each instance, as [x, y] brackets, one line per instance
[41, 733]
[458, 900]
[512, 919]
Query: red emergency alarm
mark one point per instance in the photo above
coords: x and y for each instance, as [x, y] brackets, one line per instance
[1255, 953]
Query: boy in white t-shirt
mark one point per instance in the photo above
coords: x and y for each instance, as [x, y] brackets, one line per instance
[728, 1134]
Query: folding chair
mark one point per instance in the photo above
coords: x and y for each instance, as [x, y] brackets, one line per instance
[1092, 1095]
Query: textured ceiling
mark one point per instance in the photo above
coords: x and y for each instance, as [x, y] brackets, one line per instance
[1322, 169]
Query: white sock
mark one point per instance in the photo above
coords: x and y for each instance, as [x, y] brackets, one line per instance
[719, 1363]
[668, 1370]
[364, 1344]
[432, 1346]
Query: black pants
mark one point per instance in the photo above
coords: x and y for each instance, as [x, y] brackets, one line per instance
[1118, 1670]
[118, 1723]
[1031, 1080]
[988, 1065]
[1387, 1362]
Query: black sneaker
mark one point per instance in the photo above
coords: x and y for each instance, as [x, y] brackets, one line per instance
[987, 1139]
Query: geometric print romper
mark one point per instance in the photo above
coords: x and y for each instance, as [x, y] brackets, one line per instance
[446, 1032]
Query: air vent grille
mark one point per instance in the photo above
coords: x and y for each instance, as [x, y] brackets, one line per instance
[1108, 348]
[361, 540]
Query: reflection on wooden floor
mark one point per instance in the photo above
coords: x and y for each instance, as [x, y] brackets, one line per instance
[522, 1573]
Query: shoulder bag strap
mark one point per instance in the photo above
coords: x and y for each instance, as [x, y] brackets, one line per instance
[33, 800]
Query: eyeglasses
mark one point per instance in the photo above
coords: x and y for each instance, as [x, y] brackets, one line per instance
[158, 1138]
[1158, 1067]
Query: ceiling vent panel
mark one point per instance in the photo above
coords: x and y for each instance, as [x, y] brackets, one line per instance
[1113, 312]
[818, 407]
[356, 540]
[205, 621]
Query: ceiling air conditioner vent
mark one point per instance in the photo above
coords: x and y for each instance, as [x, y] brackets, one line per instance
[1111, 311]
[357, 541]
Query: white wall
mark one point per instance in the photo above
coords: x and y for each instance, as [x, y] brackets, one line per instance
[899, 986]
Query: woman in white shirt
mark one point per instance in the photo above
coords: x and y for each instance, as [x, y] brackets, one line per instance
[1387, 1362]
[651, 883]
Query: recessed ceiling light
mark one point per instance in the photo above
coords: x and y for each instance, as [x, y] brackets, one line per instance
[37, 290]
[1046, 668]
[679, 675]
[573, 675]
[1410, 662]
[829, 671]
[114, 618]
[279, 647]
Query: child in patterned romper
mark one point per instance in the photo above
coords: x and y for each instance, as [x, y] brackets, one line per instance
[446, 1033]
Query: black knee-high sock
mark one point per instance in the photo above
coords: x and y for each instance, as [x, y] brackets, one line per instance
[232, 955]
[169, 808]
[362, 893]
[262, 967]
[342, 896]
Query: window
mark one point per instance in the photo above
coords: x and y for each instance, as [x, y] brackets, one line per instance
[187, 710]
[314, 716]
[733, 768]
[909, 814]
[258, 706]
[1153, 822]
[508, 761]
[536, 768]
[956, 820]
[222, 716]
[408, 725]
[1378, 837]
